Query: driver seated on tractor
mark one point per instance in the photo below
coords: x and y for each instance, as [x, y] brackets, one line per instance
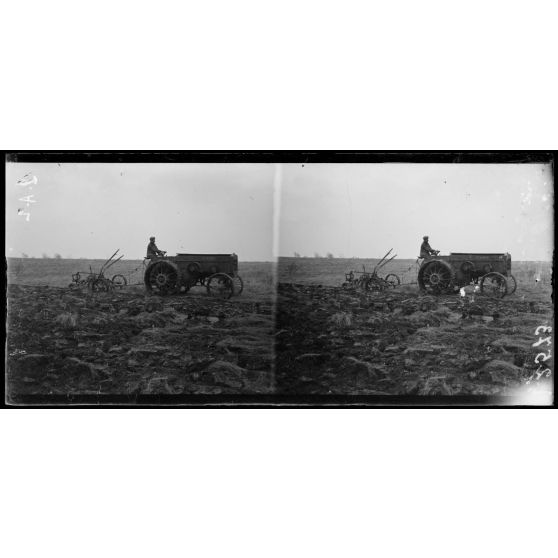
[426, 252]
[152, 250]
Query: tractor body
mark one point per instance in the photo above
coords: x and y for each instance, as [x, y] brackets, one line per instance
[218, 273]
[446, 274]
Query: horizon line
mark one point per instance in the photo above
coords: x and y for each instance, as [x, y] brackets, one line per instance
[273, 260]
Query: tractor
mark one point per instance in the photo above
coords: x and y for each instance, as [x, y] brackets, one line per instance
[218, 273]
[446, 274]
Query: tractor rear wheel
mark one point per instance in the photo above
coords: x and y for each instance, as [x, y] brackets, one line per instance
[436, 277]
[494, 285]
[162, 278]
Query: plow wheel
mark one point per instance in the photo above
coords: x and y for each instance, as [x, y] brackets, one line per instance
[374, 284]
[393, 280]
[220, 285]
[238, 285]
[436, 277]
[363, 283]
[161, 278]
[119, 281]
[494, 285]
[513, 284]
[101, 285]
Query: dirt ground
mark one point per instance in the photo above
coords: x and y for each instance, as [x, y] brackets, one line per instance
[314, 338]
[64, 341]
[345, 341]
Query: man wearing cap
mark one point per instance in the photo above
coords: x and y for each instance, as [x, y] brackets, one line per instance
[152, 250]
[425, 249]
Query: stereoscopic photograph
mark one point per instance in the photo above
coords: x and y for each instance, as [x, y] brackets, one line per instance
[272, 282]
[129, 280]
[424, 280]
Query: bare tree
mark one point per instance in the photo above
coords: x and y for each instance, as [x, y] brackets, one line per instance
[45, 256]
[57, 256]
[296, 255]
[316, 255]
[24, 255]
[329, 256]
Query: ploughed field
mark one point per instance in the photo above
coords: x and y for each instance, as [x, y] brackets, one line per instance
[64, 340]
[336, 340]
[319, 338]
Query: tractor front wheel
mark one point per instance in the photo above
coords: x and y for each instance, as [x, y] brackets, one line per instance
[513, 284]
[494, 285]
[220, 285]
[238, 284]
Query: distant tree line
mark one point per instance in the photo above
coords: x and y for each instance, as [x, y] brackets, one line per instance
[329, 255]
[44, 256]
[47, 257]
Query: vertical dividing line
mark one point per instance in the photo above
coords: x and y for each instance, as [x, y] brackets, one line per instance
[350, 227]
[277, 182]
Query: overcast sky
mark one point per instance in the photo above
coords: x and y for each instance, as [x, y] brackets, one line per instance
[364, 209]
[90, 210]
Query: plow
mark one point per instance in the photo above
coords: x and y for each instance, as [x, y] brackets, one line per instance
[98, 281]
[166, 275]
[370, 280]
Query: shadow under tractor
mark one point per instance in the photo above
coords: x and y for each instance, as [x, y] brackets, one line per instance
[218, 273]
[446, 274]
